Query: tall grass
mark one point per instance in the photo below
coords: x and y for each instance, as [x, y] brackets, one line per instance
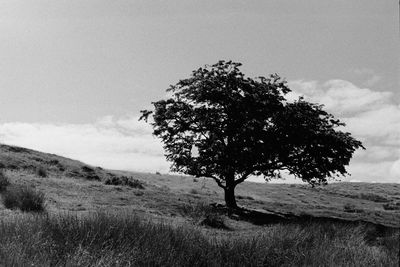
[4, 181]
[24, 198]
[203, 214]
[101, 239]
[41, 172]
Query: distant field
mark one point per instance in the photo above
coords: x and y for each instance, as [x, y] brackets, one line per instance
[73, 189]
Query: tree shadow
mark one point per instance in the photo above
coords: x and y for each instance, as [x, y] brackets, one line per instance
[264, 217]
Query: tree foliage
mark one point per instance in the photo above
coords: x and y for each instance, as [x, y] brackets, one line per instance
[243, 126]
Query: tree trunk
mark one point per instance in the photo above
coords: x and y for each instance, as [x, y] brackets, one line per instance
[230, 200]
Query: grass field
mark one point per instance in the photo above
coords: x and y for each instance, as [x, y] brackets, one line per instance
[167, 220]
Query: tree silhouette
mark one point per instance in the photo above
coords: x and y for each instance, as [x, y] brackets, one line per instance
[242, 127]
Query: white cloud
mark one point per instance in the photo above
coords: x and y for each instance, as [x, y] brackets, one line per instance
[379, 171]
[382, 124]
[112, 143]
[340, 96]
[395, 171]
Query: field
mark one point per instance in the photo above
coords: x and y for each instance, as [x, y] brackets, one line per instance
[171, 220]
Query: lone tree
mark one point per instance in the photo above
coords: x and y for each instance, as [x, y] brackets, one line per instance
[222, 125]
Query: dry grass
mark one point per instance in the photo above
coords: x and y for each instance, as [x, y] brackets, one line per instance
[24, 198]
[203, 214]
[4, 181]
[125, 181]
[165, 202]
[121, 239]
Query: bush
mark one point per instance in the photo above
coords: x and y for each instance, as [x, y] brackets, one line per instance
[24, 198]
[123, 180]
[348, 207]
[54, 162]
[373, 197]
[87, 169]
[391, 206]
[41, 172]
[4, 182]
[92, 177]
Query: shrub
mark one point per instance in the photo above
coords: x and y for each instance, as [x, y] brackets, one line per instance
[12, 167]
[53, 162]
[24, 198]
[41, 172]
[373, 197]
[89, 173]
[391, 206]
[4, 182]
[123, 180]
[135, 183]
[348, 207]
[87, 169]
[92, 177]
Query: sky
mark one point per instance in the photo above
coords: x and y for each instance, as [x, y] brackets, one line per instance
[74, 74]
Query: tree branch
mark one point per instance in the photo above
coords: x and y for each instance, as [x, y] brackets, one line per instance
[219, 182]
[244, 177]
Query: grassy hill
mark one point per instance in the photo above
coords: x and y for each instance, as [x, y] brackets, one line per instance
[72, 188]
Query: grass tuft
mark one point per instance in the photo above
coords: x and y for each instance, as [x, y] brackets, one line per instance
[24, 198]
[4, 181]
[126, 181]
[194, 191]
[204, 214]
[391, 206]
[351, 208]
[373, 197]
[41, 172]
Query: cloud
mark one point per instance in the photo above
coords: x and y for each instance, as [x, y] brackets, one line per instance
[340, 96]
[395, 170]
[379, 171]
[123, 143]
[381, 125]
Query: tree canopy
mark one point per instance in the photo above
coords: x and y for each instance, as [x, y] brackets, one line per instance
[242, 126]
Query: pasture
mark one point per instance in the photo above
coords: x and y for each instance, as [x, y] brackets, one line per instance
[173, 220]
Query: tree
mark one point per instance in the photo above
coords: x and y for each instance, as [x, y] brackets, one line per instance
[242, 127]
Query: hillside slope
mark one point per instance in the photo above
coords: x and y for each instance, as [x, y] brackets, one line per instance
[27, 160]
[71, 185]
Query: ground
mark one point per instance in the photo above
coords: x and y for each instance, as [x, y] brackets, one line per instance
[74, 186]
